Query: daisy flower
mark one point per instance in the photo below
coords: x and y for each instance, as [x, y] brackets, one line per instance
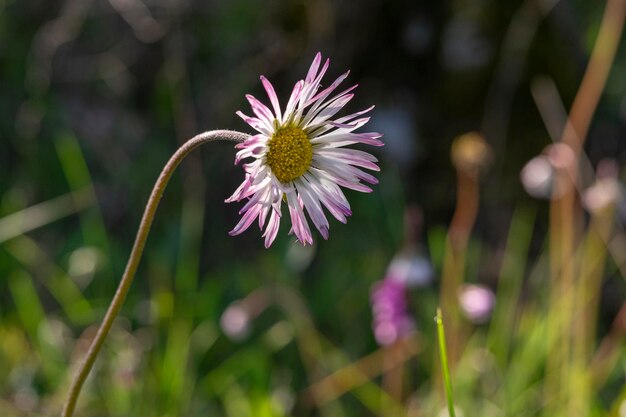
[299, 157]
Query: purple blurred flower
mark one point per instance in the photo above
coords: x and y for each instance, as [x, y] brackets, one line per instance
[389, 308]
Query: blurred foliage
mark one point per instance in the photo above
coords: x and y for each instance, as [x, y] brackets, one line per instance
[97, 94]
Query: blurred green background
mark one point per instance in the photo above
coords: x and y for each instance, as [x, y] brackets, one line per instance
[96, 95]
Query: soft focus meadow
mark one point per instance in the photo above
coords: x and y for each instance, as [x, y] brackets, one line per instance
[501, 200]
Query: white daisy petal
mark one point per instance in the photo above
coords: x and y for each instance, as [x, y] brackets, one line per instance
[313, 207]
[293, 100]
[349, 117]
[337, 139]
[351, 156]
[299, 223]
[330, 194]
[319, 98]
[272, 228]
[328, 111]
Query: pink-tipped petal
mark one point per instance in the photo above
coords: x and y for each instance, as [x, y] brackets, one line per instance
[255, 123]
[269, 88]
[314, 67]
[261, 111]
[246, 221]
[272, 228]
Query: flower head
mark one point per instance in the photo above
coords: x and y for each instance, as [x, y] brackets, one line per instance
[300, 158]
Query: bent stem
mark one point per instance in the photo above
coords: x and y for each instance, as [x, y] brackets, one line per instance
[135, 255]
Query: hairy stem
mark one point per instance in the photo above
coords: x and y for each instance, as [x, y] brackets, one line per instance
[135, 255]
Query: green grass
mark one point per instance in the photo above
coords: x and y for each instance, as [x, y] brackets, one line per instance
[167, 355]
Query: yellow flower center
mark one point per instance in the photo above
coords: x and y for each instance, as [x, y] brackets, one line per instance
[290, 153]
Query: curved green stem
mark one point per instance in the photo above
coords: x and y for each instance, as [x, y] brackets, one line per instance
[135, 255]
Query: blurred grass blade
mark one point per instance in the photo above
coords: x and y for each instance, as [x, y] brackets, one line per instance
[32, 315]
[378, 400]
[27, 303]
[527, 361]
[510, 283]
[41, 214]
[174, 368]
[57, 281]
[191, 226]
[359, 372]
[78, 177]
[443, 355]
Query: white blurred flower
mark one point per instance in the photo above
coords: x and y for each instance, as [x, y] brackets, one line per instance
[537, 176]
[411, 268]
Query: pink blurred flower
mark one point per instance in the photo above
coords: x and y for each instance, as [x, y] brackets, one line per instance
[477, 302]
[235, 322]
[607, 190]
[300, 157]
